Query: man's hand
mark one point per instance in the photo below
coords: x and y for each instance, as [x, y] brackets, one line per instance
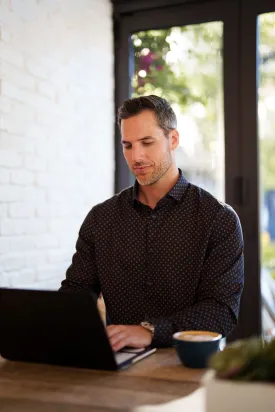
[128, 335]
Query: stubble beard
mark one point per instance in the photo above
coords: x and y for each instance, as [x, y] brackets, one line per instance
[158, 171]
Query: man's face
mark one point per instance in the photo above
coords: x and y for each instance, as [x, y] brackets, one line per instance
[148, 152]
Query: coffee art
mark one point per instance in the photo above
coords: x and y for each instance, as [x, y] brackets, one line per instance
[196, 338]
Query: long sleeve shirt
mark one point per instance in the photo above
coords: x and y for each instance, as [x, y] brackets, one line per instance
[178, 266]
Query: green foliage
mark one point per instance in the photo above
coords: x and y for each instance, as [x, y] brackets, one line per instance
[194, 75]
[267, 163]
[183, 65]
[247, 360]
[198, 45]
[268, 257]
[266, 24]
[160, 78]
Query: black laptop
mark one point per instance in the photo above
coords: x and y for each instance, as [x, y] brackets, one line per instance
[58, 328]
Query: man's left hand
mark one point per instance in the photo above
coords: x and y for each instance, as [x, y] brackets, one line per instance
[128, 335]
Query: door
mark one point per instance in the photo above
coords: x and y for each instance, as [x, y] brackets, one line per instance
[257, 87]
[188, 55]
[191, 55]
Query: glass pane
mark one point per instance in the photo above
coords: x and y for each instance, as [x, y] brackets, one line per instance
[266, 121]
[185, 65]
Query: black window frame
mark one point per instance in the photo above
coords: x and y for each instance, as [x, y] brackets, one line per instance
[240, 112]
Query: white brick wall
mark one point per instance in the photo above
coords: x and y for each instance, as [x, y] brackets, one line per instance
[56, 132]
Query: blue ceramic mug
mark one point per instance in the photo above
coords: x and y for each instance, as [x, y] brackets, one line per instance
[194, 347]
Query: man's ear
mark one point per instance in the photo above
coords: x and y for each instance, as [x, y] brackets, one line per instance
[174, 139]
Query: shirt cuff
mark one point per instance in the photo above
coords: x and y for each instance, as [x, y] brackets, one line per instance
[163, 334]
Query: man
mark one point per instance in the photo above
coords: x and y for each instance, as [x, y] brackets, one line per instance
[166, 255]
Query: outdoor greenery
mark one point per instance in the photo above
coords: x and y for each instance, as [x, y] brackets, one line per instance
[161, 68]
[267, 88]
[268, 256]
[184, 65]
[247, 360]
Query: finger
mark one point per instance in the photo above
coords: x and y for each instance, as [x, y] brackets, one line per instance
[120, 344]
[117, 337]
[113, 329]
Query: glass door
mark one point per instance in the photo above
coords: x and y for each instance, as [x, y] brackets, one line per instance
[257, 131]
[184, 64]
[189, 55]
[266, 137]
[215, 62]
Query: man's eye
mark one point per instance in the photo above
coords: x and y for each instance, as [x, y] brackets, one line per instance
[147, 144]
[127, 147]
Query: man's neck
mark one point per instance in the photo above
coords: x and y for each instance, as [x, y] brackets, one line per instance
[151, 194]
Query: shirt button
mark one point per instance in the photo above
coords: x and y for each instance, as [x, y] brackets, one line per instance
[153, 216]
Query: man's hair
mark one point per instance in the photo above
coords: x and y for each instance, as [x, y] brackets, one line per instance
[165, 115]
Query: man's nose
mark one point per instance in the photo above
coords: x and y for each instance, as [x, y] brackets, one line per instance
[137, 154]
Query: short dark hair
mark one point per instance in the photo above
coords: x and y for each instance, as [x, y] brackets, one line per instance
[165, 115]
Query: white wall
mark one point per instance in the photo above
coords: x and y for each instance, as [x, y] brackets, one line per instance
[56, 132]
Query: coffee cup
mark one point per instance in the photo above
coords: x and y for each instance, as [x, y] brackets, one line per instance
[194, 348]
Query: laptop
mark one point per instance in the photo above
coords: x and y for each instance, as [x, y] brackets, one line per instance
[58, 328]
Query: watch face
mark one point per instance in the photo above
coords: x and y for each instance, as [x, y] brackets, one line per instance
[148, 326]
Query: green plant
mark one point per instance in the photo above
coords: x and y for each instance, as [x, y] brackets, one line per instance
[189, 79]
[247, 360]
[268, 256]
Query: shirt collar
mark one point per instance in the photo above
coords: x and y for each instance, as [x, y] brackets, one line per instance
[176, 192]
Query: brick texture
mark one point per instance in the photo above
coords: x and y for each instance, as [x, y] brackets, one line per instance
[56, 132]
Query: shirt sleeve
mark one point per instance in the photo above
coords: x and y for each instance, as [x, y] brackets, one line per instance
[81, 276]
[217, 299]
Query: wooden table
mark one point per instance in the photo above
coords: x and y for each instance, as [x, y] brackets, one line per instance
[157, 379]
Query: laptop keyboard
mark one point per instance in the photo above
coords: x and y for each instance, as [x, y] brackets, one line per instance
[122, 357]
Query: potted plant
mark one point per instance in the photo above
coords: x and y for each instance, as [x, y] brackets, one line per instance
[242, 378]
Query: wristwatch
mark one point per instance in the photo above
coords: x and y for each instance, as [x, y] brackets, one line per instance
[149, 326]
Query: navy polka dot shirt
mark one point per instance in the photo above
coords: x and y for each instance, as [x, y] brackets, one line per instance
[178, 266]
